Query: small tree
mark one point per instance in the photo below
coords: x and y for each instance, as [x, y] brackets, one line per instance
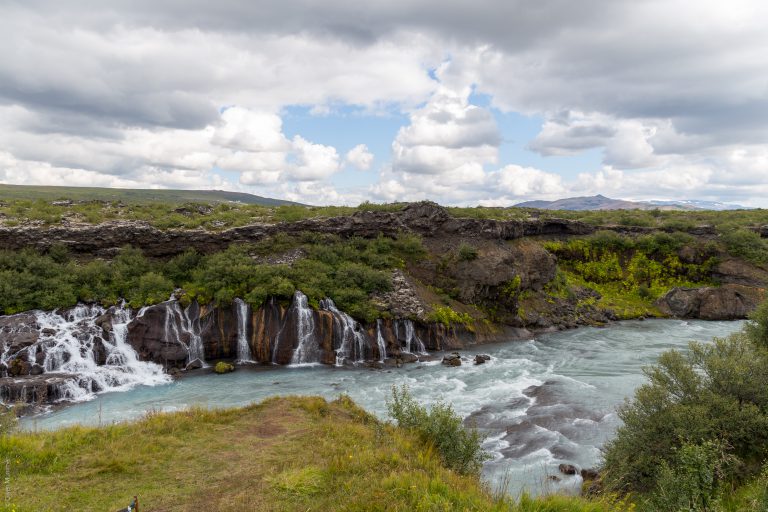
[460, 448]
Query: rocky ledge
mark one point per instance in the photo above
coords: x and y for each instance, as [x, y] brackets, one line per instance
[728, 302]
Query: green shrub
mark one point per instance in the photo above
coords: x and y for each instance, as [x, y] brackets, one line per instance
[9, 423]
[466, 252]
[693, 481]
[447, 316]
[715, 391]
[460, 448]
[746, 244]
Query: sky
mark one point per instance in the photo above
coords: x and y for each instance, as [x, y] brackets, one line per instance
[489, 102]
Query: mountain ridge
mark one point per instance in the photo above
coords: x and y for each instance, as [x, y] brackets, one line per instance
[601, 202]
[53, 193]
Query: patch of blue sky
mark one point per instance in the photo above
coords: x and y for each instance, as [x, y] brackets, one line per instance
[518, 130]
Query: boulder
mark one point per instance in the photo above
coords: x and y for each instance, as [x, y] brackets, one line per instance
[482, 358]
[590, 474]
[36, 369]
[195, 364]
[453, 359]
[728, 302]
[567, 469]
[36, 389]
[222, 367]
[105, 321]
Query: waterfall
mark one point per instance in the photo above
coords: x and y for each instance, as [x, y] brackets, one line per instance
[353, 338]
[307, 350]
[72, 343]
[179, 323]
[243, 348]
[412, 340]
[380, 342]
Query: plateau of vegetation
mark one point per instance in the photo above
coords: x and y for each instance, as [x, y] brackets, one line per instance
[346, 270]
[217, 210]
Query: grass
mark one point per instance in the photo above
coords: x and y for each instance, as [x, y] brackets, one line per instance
[52, 193]
[291, 453]
[181, 209]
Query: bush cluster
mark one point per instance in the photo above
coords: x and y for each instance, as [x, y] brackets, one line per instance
[651, 261]
[460, 448]
[699, 426]
[346, 270]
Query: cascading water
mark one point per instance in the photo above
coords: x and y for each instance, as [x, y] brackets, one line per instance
[412, 340]
[380, 342]
[243, 348]
[73, 344]
[307, 350]
[178, 324]
[353, 338]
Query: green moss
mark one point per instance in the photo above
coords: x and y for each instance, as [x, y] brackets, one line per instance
[448, 316]
[223, 367]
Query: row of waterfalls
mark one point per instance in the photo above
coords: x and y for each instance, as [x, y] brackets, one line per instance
[73, 353]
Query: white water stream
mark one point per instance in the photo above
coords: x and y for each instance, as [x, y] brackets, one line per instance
[243, 348]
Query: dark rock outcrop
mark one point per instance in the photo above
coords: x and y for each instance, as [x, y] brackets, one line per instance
[37, 389]
[728, 302]
[156, 336]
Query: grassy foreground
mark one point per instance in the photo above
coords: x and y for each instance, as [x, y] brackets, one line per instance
[295, 453]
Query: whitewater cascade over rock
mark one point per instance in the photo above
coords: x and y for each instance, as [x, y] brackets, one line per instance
[83, 350]
[412, 340]
[74, 353]
[243, 348]
[353, 338]
[380, 342]
[307, 350]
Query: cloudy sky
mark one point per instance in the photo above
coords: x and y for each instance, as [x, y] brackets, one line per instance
[485, 102]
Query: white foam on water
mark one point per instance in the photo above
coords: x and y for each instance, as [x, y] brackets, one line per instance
[70, 341]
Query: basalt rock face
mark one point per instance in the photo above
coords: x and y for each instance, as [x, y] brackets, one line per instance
[728, 302]
[427, 219]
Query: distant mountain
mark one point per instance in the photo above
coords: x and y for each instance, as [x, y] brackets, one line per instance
[600, 202]
[702, 205]
[49, 193]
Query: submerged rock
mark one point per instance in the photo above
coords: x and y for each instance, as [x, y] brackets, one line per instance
[453, 359]
[482, 358]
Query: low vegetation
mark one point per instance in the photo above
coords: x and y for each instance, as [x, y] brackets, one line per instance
[283, 454]
[631, 273]
[695, 437]
[439, 426]
[346, 270]
[215, 210]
